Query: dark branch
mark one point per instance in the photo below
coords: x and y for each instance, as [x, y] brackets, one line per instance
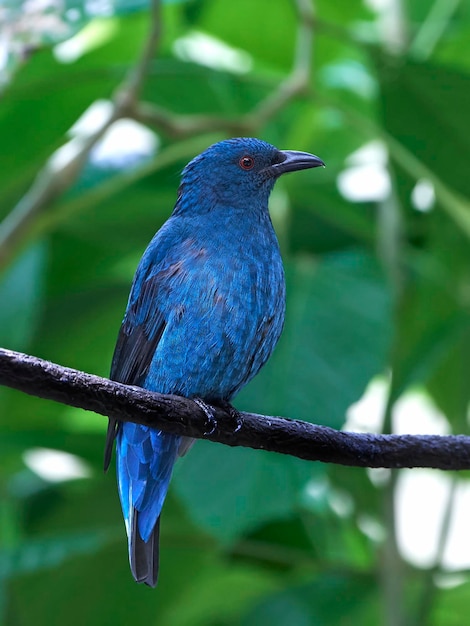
[182, 416]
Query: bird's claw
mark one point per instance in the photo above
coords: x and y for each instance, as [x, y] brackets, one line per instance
[234, 414]
[209, 413]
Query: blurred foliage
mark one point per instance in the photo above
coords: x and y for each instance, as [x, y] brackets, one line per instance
[378, 284]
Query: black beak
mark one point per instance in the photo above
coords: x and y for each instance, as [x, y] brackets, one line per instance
[292, 160]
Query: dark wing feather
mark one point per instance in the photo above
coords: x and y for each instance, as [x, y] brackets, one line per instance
[139, 335]
[113, 426]
[141, 330]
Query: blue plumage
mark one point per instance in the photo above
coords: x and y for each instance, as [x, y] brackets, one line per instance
[205, 312]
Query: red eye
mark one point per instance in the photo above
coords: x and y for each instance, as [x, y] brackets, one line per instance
[246, 162]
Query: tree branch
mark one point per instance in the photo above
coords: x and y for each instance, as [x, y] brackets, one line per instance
[182, 416]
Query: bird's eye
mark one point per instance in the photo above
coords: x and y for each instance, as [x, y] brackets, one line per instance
[246, 162]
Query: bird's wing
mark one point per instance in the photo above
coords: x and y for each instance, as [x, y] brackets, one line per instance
[137, 341]
[138, 338]
[139, 335]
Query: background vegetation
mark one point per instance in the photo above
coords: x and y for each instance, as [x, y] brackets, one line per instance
[377, 257]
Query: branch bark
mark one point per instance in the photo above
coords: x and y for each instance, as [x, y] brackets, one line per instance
[182, 416]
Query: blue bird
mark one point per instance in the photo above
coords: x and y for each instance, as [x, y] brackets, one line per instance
[205, 311]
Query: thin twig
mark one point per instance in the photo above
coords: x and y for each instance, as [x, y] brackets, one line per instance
[182, 416]
[52, 181]
[178, 126]
[432, 28]
[295, 84]
[128, 93]
[299, 78]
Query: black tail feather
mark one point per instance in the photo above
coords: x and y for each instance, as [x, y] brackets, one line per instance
[143, 555]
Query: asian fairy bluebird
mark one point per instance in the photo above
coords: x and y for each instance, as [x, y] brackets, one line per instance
[205, 312]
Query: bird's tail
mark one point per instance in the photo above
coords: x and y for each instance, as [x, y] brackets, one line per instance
[144, 555]
[145, 458]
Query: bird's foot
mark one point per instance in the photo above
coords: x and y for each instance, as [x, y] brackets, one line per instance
[233, 412]
[209, 413]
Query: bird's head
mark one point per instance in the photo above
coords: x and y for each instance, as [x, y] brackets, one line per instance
[238, 172]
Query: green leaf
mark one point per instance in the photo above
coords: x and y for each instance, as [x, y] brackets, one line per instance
[228, 21]
[421, 104]
[21, 293]
[451, 602]
[330, 599]
[45, 553]
[433, 326]
[248, 489]
[220, 593]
